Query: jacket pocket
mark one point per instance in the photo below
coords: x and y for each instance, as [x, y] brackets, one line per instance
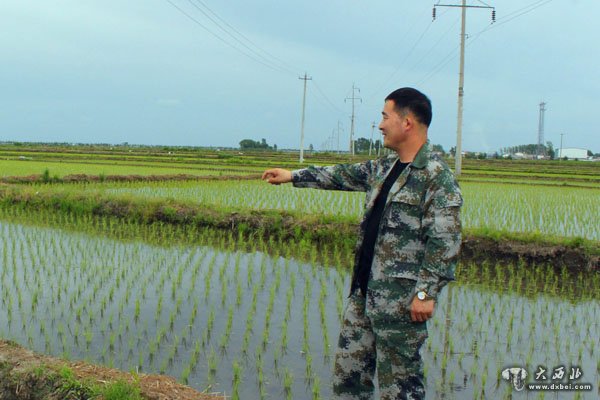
[404, 211]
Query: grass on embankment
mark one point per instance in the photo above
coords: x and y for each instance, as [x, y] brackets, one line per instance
[299, 229]
[29, 378]
[27, 375]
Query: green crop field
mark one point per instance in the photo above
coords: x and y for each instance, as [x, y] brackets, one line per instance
[161, 277]
[557, 211]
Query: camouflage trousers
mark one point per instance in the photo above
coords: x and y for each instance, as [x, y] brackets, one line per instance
[378, 336]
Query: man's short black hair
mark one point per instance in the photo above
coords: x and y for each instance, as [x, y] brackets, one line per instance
[409, 99]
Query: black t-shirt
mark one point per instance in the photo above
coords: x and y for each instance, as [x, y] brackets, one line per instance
[363, 269]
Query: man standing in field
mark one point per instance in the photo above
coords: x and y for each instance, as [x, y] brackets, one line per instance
[407, 251]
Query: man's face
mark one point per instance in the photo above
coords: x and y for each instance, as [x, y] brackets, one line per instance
[393, 127]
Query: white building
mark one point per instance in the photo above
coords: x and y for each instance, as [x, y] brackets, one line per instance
[573, 153]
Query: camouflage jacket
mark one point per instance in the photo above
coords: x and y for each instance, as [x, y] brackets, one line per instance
[420, 230]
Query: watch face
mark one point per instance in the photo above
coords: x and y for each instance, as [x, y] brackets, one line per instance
[421, 295]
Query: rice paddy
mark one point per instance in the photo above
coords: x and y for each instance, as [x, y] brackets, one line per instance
[256, 317]
[254, 325]
[558, 211]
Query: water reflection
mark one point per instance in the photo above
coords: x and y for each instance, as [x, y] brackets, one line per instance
[260, 325]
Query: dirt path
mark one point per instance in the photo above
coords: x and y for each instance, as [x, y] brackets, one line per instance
[27, 375]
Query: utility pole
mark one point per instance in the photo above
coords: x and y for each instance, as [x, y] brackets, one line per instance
[371, 142]
[332, 138]
[541, 129]
[305, 78]
[561, 152]
[338, 137]
[352, 118]
[461, 77]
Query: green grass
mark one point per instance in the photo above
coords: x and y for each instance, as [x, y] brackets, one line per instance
[198, 158]
[536, 200]
[60, 169]
[117, 390]
[304, 230]
[546, 210]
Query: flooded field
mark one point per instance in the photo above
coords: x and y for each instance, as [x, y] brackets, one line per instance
[253, 325]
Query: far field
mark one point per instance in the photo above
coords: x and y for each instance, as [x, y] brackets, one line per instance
[60, 161]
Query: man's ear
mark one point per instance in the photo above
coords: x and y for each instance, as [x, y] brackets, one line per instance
[408, 120]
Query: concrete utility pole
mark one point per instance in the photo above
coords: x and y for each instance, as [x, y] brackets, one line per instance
[338, 137]
[371, 142]
[461, 77]
[305, 78]
[541, 129]
[332, 138]
[561, 152]
[352, 118]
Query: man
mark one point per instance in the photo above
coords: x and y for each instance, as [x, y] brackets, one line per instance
[407, 251]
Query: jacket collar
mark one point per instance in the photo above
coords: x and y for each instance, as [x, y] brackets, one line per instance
[422, 156]
[420, 160]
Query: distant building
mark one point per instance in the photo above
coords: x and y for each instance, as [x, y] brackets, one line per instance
[573, 153]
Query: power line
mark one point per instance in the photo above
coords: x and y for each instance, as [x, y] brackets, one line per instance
[401, 42]
[329, 102]
[284, 65]
[433, 47]
[410, 29]
[500, 21]
[511, 16]
[275, 68]
[439, 66]
[408, 54]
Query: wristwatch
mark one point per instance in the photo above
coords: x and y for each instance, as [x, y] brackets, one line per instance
[421, 295]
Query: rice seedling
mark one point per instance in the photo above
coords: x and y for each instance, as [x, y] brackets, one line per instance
[316, 388]
[288, 380]
[308, 366]
[212, 364]
[237, 378]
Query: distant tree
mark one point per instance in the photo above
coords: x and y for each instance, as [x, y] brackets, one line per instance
[452, 151]
[590, 154]
[275, 147]
[249, 144]
[550, 150]
[311, 148]
[361, 145]
[528, 149]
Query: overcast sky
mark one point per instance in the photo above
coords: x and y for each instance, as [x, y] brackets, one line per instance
[163, 72]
